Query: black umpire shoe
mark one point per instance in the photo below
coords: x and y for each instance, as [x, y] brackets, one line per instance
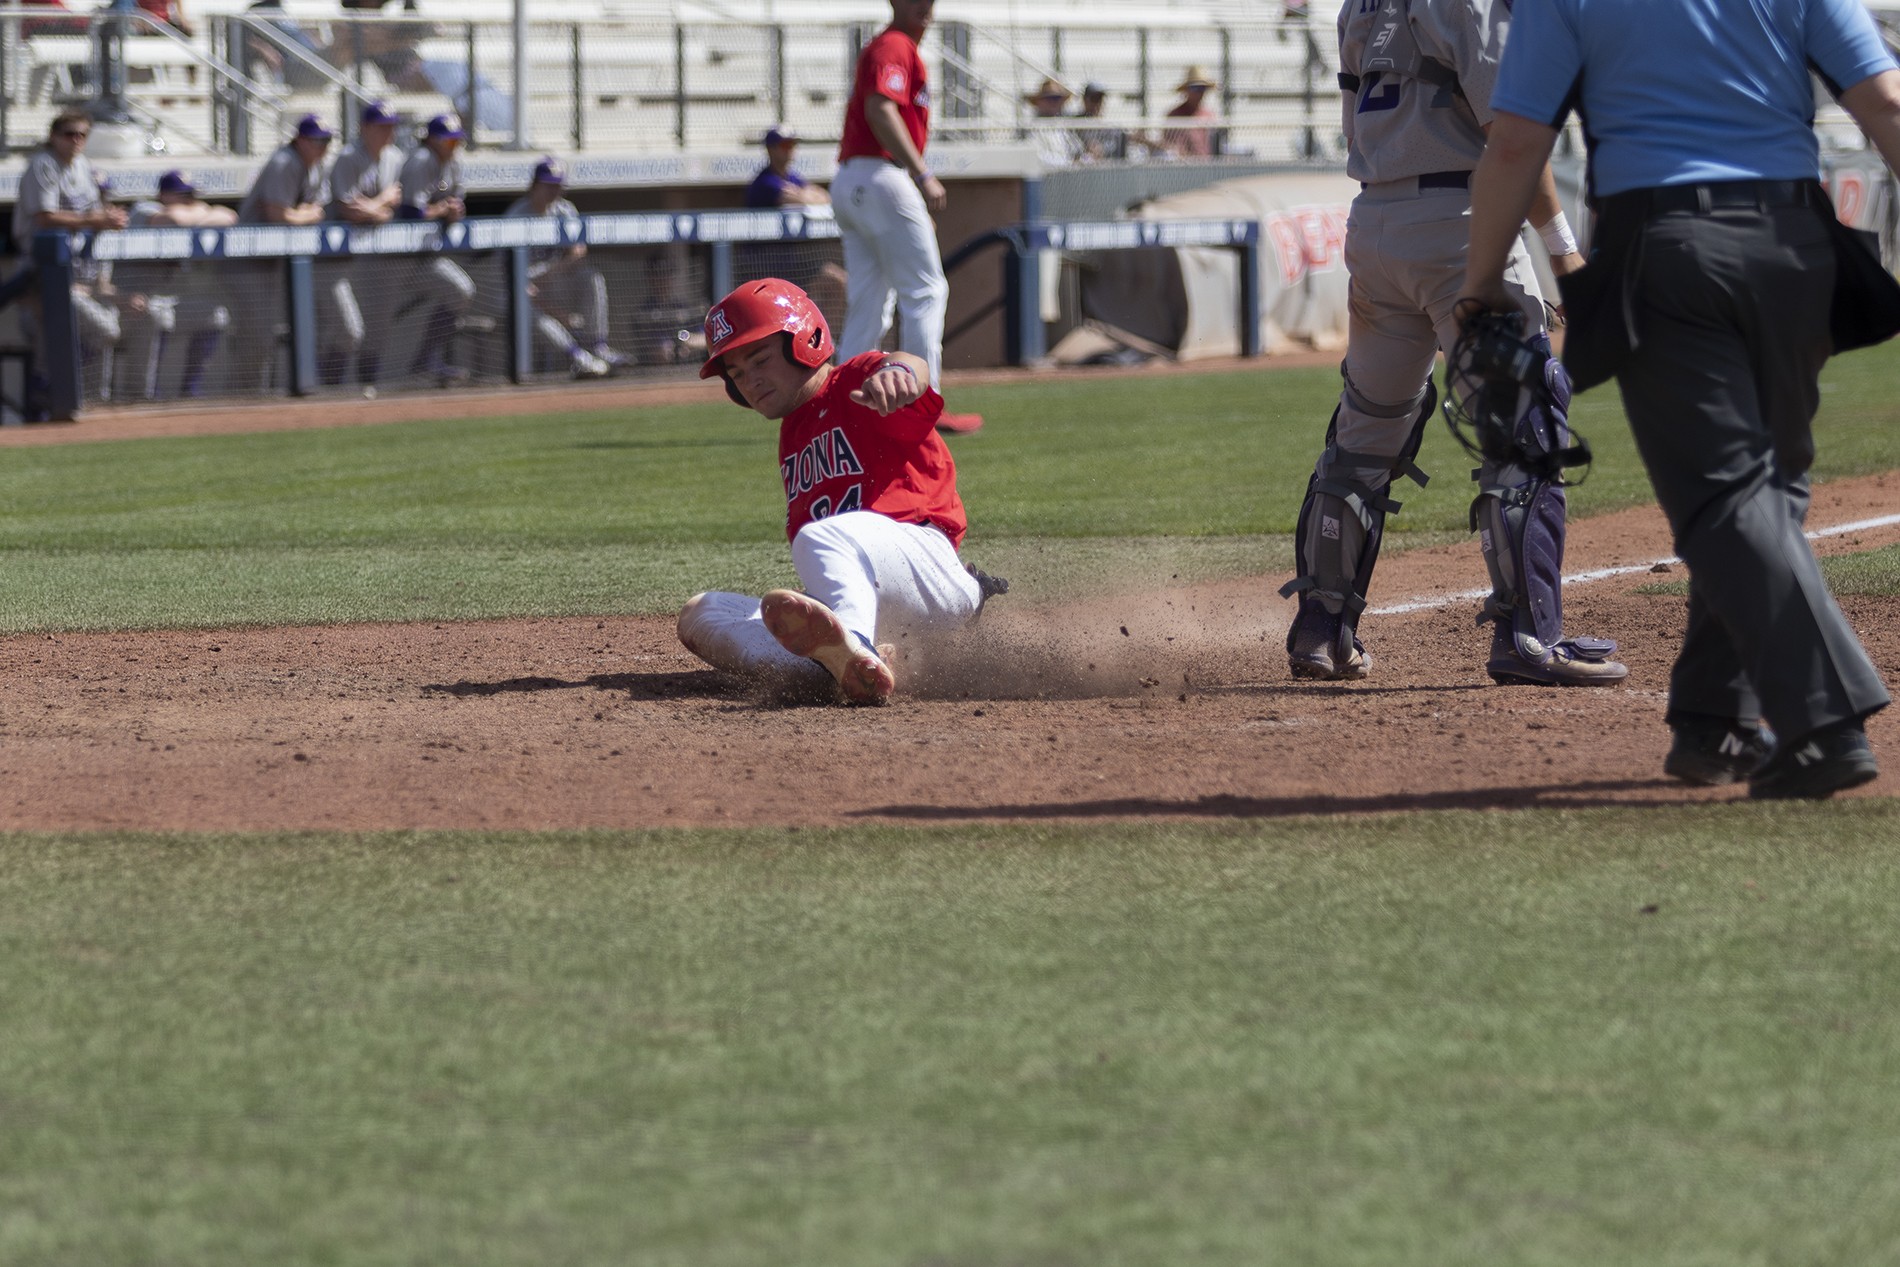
[1712, 751]
[1818, 764]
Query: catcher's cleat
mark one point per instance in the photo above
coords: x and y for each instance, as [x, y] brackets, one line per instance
[1320, 645]
[1712, 751]
[960, 424]
[806, 627]
[1572, 662]
[1818, 764]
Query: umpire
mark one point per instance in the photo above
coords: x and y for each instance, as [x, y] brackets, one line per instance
[1708, 296]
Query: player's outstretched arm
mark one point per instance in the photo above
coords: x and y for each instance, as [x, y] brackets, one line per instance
[901, 380]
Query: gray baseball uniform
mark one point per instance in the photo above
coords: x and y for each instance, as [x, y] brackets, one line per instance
[565, 287]
[427, 180]
[47, 186]
[443, 283]
[283, 180]
[359, 174]
[1397, 129]
[180, 299]
[1417, 80]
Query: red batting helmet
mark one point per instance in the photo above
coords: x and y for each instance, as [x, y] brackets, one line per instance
[758, 310]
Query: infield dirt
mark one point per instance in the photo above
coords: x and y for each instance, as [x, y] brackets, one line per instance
[1136, 706]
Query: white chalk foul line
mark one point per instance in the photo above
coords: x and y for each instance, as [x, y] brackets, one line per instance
[1604, 574]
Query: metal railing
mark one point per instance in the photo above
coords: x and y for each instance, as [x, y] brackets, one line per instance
[124, 65]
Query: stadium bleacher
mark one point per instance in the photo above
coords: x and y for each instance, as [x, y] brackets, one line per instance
[641, 76]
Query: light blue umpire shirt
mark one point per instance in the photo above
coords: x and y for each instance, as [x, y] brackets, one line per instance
[1686, 92]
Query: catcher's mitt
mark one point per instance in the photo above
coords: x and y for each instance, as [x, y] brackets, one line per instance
[1494, 379]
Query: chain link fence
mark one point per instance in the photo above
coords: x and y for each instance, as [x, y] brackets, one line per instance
[151, 315]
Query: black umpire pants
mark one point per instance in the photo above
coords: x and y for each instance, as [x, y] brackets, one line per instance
[1721, 394]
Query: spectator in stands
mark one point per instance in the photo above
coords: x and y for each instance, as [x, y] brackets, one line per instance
[61, 190]
[391, 47]
[265, 58]
[170, 12]
[1057, 147]
[365, 189]
[777, 184]
[432, 189]
[568, 293]
[291, 189]
[167, 297]
[1191, 142]
[1098, 142]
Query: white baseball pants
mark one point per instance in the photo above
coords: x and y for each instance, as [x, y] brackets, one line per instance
[890, 259]
[884, 579]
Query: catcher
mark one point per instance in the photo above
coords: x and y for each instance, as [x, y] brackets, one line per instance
[871, 504]
[1417, 89]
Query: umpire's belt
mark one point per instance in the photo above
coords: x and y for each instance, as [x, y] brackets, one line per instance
[1726, 195]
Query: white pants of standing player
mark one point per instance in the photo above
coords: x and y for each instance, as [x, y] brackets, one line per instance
[884, 579]
[890, 257]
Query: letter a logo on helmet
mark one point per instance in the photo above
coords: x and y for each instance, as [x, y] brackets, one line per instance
[759, 310]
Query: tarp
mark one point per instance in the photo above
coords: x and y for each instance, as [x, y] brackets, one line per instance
[1188, 298]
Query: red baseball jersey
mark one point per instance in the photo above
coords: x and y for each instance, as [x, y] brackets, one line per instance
[890, 66]
[836, 455]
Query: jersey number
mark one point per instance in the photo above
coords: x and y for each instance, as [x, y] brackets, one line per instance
[853, 499]
[1378, 96]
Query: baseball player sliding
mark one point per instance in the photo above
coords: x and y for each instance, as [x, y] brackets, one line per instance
[1417, 78]
[883, 196]
[871, 503]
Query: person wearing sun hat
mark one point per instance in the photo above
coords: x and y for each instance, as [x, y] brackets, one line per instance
[1057, 147]
[1191, 142]
[569, 294]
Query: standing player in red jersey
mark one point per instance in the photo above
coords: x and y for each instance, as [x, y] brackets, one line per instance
[871, 503]
[883, 196]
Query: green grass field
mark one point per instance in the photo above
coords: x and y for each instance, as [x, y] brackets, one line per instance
[1075, 484]
[1593, 1037]
[1645, 1036]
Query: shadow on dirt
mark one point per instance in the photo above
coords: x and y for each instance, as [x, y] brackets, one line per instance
[1604, 793]
[697, 685]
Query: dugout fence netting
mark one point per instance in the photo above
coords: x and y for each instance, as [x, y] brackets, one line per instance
[221, 329]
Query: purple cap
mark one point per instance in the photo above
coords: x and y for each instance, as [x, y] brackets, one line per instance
[375, 112]
[311, 128]
[549, 172]
[174, 182]
[446, 127]
[780, 133]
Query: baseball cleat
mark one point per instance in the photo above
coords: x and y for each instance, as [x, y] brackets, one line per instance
[1321, 646]
[1817, 765]
[1572, 662]
[587, 365]
[806, 627]
[960, 424]
[1713, 751]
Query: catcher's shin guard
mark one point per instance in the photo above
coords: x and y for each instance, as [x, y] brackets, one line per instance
[1519, 518]
[1337, 539]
